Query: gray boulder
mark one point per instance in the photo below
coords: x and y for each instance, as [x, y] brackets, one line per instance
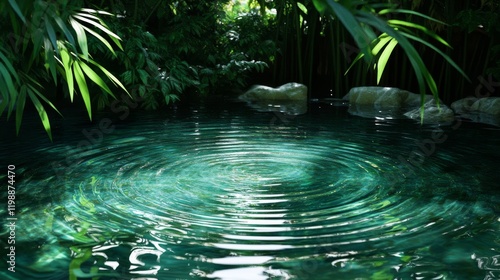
[482, 110]
[463, 105]
[432, 113]
[384, 97]
[377, 96]
[488, 105]
[394, 103]
[414, 100]
[286, 92]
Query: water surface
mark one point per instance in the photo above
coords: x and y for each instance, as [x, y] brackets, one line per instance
[224, 192]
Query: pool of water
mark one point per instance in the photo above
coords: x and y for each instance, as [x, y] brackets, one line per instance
[219, 191]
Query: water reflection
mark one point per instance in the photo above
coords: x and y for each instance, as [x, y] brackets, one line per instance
[233, 198]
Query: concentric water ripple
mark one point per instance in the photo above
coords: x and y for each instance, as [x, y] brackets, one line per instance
[239, 198]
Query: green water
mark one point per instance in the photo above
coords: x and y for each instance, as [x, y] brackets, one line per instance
[224, 192]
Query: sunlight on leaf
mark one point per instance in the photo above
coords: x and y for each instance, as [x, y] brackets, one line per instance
[384, 58]
[82, 85]
[81, 38]
[95, 78]
[68, 70]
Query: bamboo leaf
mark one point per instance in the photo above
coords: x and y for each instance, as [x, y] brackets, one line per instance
[50, 61]
[113, 79]
[81, 38]
[82, 85]
[302, 7]
[37, 38]
[68, 70]
[104, 41]
[41, 112]
[66, 31]
[447, 58]
[356, 59]
[410, 12]
[15, 7]
[8, 65]
[352, 25]
[419, 27]
[384, 58]
[11, 88]
[51, 32]
[98, 25]
[95, 78]
[101, 22]
[40, 95]
[415, 59]
[91, 11]
[4, 102]
[382, 41]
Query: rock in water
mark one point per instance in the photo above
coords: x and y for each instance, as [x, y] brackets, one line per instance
[482, 110]
[377, 96]
[432, 114]
[463, 105]
[286, 92]
[488, 105]
[388, 103]
[384, 97]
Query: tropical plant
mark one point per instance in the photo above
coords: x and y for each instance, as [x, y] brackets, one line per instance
[48, 41]
[361, 21]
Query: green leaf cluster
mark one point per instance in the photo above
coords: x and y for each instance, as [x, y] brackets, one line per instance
[48, 41]
[363, 19]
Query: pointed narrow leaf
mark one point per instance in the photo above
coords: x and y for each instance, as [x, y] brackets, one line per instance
[356, 59]
[98, 25]
[8, 65]
[50, 61]
[352, 25]
[81, 37]
[414, 57]
[40, 95]
[95, 78]
[383, 40]
[51, 32]
[82, 85]
[66, 31]
[113, 79]
[91, 11]
[384, 57]
[419, 27]
[42, 113]
[447, 58]
[104, 41]
[302, 7]
[15, 7]
[68, 70]
[410, 12]
[3, 103]
[10, 86]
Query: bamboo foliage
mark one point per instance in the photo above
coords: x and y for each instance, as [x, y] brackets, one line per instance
[389, 37]
[359, 23]
[51, 35]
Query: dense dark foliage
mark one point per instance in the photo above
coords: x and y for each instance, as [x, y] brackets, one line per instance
[160, 50]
